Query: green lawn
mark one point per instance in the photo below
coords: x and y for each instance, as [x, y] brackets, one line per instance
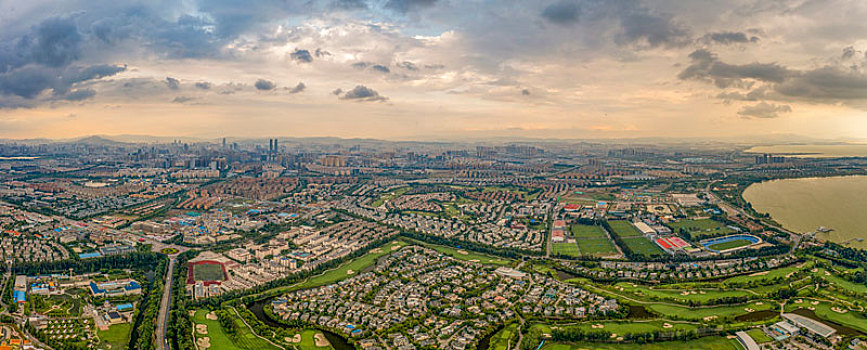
[633, 327]
[503, 338]
[642, 246]
[355, 266]
[840, 282]
[624, 229]
[706, 343]
[467, 255]
[701, 228]
[699, 314]
[679, 295]
[116, 337]
[852, 319]
[770, 276]
[587, 231]
[246, 340]
[596, 246]
[759, 336]
[565, 249]
[730, 244]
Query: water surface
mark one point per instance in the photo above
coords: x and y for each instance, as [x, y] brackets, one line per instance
[803, 205]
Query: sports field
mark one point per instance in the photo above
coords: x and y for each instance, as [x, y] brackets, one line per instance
[565, 249]
[737, 243]
[596, 247]
[642, 246]
[208, 272]
[587, 231]
[624, 229]
[116, 337]
[700, 228]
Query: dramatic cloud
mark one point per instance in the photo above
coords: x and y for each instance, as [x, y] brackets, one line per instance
[173, 83]
[707, 67]
[562, 12]
[653, 30]
[303, 56]
[264, 85]
[298, 88]
[764, 110]
[361, 93]
[826, 83]
[30, 81]
[204, 85]
[57, 42]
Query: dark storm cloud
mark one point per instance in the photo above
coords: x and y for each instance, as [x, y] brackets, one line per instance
[173, 83]
[30, 81]
[298, 88]
[362, 93]
[706, 66]
[380, 68]
[57, 42]
[563, 12]
[337, 92]
[405, 6]
[827, 84]
[300, 55]
[265, 85]
[764, 110]
[204, 85]
[730, 38]
[321, 53]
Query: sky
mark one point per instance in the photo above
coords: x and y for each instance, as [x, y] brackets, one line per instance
[434, 69]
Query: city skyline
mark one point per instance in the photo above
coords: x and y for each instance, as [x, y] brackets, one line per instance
[434, 69]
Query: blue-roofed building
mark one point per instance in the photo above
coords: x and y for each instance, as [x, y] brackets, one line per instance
[89, 255]
[124, 307]
[120, 287]
[19, 296]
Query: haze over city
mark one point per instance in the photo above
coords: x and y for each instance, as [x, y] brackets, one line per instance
[428, 69]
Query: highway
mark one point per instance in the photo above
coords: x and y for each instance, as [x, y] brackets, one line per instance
[165, 306]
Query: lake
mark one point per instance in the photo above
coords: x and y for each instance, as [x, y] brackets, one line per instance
[803, 205]
[814, 150]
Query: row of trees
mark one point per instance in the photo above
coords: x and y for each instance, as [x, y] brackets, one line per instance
[144, 327]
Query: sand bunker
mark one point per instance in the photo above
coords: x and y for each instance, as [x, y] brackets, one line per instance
[203, 342]
[596, 326]
[710, 318]
[760, 273]
[838, 310]
[464, 252]
[759, 303]
[201, 329]
[395, 247]
[667, 325]
[349, 272]
[475, 260]
[376, 250]
[295, 339]
[211, 316]
[814, 302]
[748, 309]
[320, 341]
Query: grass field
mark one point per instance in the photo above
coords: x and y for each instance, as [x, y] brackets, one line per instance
[701, 228]
[699, 314]
[624, 229]
[467, 255]
[566, 249]
[706, 343]
[596, 247]
[221, 341]
[759, 336]
[116, 337]
[730, 244]
[501, 340]
[770, 276]
[633, 327]
[642, 246]
[587, 231]
[679, 295]
[208, 272]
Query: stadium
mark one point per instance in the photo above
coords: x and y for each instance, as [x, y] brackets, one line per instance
[206, 271]
[730, 243]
